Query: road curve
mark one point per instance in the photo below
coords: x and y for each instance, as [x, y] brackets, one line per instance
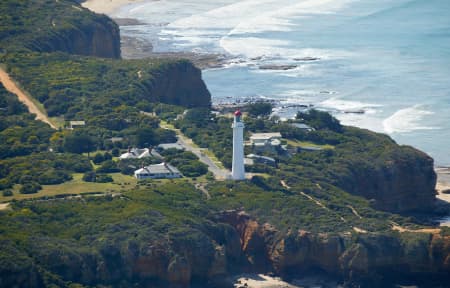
[11, 86]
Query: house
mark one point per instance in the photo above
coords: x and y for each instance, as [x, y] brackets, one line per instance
[262, 159]
[116, 139]
[265, 141]
[303, 126]
[166, 146]
[136, 153]
[157, 171]
[74, 124]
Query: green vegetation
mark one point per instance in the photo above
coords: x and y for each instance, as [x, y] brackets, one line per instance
[28, 25]
[259, 109]
[118, 225]
[186, 162]
[66, 83]
[20, 134]
[45, 168]
[75, 186]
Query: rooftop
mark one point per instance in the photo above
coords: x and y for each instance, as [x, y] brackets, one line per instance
[265, 136]
[166, 146]
[161, 168]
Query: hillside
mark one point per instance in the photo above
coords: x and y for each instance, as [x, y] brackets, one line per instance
[65, 83]
[348, 209]
[47, 26]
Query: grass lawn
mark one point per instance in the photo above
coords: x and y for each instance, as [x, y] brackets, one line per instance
[77, 186]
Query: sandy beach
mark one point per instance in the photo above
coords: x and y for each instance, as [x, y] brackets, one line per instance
[443, 183]
[106, 6]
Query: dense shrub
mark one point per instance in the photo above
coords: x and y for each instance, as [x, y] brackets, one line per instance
[53, 176]
[108, 166]
[103, 178]
[30, 188]
[186, 162]
[7, 193]
[259, 109]
[98, 158]
[89, 176]
[44, 168]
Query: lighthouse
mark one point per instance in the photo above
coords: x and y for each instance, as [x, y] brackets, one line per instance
[237, 169]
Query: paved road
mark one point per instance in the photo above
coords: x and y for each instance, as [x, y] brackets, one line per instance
[23, 97]
[219, 173]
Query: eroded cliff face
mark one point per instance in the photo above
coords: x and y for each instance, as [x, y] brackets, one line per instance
[371, 258]
[99, 36]
[180, 83]
[402, 181]
[236, 243]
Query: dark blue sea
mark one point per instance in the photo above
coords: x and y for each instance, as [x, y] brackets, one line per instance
[382, 65]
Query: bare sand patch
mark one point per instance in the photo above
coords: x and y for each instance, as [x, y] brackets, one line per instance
[12, 87]
[106, 6]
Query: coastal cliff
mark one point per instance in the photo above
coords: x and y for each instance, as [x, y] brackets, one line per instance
[371, 259]
[102, 82]
[399, 180]
[98, 37]
[180, 83]
[67, 28]
[236, 243]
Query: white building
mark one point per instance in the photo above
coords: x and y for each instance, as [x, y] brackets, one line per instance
[265, 141]
[237, 168]
[136, 153]
[74, 124]
[303, 126]
[157, 171]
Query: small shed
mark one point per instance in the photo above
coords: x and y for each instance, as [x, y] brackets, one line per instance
[74, 124]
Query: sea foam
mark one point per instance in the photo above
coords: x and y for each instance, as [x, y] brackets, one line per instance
[407, 120]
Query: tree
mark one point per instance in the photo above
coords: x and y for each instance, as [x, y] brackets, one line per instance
[198, 116]
[79, 143]
[98, 158]
[320, 120]
[89, 176]
[259, 109]
[30, 188]
[146, 137]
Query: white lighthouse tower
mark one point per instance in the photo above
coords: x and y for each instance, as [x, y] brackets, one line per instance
[237, 169]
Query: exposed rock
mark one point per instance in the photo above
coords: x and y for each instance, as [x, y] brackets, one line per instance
[277, 67]
[372, 259]
[180, 84]
[98, 37]
[403, 180]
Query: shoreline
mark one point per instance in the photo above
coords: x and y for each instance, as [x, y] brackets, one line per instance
[443, 183]
[106, 6]
[138, 48]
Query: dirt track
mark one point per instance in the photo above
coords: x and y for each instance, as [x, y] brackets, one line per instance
[13, 88]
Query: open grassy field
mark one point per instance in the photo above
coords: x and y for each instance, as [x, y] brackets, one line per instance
[77, 186]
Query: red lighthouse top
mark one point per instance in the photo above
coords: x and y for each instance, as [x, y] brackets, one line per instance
[238, 113]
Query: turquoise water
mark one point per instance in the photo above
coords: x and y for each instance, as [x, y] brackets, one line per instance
[382, 65]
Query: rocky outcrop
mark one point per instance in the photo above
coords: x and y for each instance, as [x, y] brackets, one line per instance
[179, 83]
[236, 243]
[402, 180]
[372, 259]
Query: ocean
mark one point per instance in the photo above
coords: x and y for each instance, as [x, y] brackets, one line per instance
[382, 65]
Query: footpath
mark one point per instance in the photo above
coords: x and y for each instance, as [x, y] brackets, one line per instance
[12, 87]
